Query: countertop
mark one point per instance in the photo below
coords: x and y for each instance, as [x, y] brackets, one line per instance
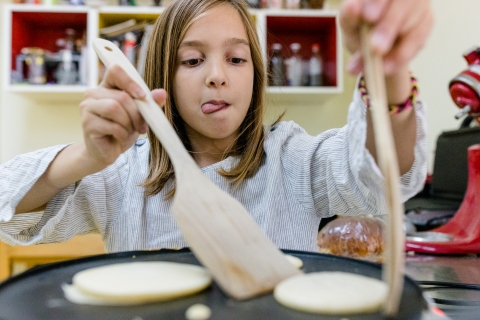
[458, 269]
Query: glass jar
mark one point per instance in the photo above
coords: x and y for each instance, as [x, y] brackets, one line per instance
[35, 61]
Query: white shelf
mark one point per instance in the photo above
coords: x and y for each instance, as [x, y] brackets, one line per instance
[131, 10]
[45, 8]
[45, 88]
[296, 12]
[304, 90]
[97, 17]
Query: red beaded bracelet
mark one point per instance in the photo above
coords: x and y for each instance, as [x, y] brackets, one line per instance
[392, 108]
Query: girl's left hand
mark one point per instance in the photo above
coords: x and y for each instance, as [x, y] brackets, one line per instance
[399, 30]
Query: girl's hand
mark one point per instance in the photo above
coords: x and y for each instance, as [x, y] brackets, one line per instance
[399, 30]
[110, 119]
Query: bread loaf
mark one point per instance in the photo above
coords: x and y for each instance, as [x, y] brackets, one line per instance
[359, 237]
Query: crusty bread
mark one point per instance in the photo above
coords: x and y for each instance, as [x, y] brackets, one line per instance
[359, 237]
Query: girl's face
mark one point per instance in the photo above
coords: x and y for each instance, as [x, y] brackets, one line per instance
[213, 81]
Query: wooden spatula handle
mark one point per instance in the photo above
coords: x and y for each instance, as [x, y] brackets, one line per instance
[149, 109]
[393, 268]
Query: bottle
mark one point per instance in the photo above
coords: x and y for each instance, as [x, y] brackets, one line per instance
[83, 65]
[70, 39]
[294, 71]
[275, 4]
[277, 66]
[127, 2]
[66, 72]
[129, 46]
[316, 66]
[292, 4]
[306, 72]
[35, 61]
[253, 3]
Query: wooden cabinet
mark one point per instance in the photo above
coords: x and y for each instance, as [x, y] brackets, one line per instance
[40, 26]
[16, 259]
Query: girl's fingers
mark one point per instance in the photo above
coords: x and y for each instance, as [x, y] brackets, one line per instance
[117, 78]
[387, 29]
[374, 9]
[113, 100]
[125, 100]
[355, 63]
[400, 28]
[108, 109]
[160, 96]
[408, 46]
[112, 110]
[96, 128]
[400, 18]
[350, 17]
[404, 49]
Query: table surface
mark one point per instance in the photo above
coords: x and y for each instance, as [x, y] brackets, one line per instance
[463, 269]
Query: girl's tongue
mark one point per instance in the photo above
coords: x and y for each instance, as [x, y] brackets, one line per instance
[212, 107]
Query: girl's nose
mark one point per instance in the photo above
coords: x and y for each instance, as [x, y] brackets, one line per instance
[216, 75]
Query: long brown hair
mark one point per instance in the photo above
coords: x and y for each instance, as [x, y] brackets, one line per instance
[160, 67]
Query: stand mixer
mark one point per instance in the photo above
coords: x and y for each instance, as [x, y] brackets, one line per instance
[461, 234]
[465, 87]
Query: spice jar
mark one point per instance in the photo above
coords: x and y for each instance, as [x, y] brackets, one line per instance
[35, 61]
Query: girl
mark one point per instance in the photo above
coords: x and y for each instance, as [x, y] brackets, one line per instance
[206, 56]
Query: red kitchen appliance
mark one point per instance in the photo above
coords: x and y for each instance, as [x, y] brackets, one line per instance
[465, 87]
[461, 234]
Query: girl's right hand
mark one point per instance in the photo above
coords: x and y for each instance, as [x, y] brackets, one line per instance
[110, 118]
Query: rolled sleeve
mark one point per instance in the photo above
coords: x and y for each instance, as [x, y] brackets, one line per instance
[18, 175]
[335, 174]
[87, 206]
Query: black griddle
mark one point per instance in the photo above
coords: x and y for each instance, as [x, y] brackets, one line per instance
[37, 294]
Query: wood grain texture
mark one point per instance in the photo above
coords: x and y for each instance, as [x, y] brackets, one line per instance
[220, 232]
[79, 246]
[394, 264]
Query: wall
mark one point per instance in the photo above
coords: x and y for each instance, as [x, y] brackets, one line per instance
[29, 124]
[2, 118]
[457, 29]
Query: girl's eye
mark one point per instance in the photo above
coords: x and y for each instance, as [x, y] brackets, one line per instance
[191, 62]
[237, 60]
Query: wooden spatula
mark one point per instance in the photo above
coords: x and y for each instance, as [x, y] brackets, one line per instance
[220, 232]
[394, 260]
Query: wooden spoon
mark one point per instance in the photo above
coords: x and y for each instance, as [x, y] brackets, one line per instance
[220, 232]
[394, 260]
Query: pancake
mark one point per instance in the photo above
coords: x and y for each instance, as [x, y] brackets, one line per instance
[338, 293]
[296, 262]
[136, 283]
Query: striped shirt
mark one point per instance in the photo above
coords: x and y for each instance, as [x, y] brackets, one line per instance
[302, 179]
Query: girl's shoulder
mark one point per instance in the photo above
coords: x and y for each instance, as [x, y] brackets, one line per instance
[284, 126]
[283, 129]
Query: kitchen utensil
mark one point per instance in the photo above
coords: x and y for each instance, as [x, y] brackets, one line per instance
[37, 294]
[461, 234]
[220, 232]
[465, 87]
[387, 161]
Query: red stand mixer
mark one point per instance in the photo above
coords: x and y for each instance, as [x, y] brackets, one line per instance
[465, 88]
[461, 234]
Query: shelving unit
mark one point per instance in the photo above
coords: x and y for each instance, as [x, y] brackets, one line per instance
[305, 27]
[38, 25]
